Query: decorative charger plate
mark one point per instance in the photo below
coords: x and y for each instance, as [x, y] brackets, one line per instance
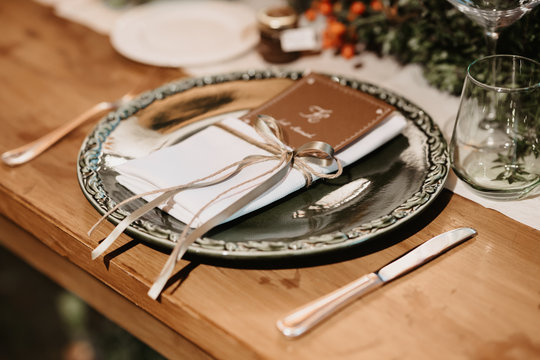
[374, 195]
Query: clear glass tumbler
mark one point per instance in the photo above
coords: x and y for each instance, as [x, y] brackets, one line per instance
[501, 161]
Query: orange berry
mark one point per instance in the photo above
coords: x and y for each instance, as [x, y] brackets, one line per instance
[310, 14]
[358, 8]
[325, 8]
[376, 5]
[347, 51]
[330, 40]
[337, 28]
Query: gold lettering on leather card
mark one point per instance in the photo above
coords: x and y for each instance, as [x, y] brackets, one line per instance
[317, 108]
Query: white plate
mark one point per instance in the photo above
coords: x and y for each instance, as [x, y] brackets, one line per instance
[185, 33]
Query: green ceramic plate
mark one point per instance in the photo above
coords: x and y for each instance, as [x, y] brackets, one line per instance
[376, 194]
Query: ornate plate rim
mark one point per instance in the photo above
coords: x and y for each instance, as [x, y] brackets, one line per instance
[88, 165]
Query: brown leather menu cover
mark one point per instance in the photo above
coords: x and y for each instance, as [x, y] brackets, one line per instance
[317, 108]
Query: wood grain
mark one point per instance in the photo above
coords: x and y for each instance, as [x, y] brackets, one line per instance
[479, 301]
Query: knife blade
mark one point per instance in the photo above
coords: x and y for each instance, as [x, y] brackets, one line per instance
[306, 317]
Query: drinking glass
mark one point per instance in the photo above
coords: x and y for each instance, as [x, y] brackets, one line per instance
[503, 161]
[493, 15]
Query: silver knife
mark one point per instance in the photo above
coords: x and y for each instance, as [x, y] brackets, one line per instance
[309, 315]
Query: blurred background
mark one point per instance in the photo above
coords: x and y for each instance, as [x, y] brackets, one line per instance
[41, 320]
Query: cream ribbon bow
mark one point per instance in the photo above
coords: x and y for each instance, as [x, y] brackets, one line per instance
[303, 158]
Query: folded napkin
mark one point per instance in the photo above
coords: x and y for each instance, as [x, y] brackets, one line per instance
[214, 148]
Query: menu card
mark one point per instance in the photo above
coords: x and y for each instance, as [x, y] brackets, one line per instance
[317, 108]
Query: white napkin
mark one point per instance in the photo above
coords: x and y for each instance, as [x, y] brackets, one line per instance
[212, 149]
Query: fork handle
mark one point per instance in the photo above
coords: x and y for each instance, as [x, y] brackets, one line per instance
[29, 151]
[309, 315]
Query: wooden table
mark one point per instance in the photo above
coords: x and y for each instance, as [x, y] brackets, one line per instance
[479, 301]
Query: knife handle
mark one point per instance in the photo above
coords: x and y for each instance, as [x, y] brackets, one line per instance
[305, 317]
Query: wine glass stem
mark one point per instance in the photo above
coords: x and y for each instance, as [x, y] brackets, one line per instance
[490, 122]
[491, 39]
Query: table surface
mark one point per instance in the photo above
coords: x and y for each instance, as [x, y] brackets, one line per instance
[481, 300]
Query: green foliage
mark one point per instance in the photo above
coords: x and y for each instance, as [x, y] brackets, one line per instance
[511, 171]
[434, 34]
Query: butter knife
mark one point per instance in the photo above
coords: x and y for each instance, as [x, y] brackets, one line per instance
[306, 317]
[29, 151]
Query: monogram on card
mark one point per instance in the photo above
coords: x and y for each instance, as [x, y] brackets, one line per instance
[317, 108]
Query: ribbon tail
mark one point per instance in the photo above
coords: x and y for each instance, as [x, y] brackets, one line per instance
[119, 229]
[169, 192]
[185, 241]
[177, 253]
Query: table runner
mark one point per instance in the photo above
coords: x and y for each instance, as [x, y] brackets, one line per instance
[406, 81]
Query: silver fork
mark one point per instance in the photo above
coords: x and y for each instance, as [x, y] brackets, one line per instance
[29, 151]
